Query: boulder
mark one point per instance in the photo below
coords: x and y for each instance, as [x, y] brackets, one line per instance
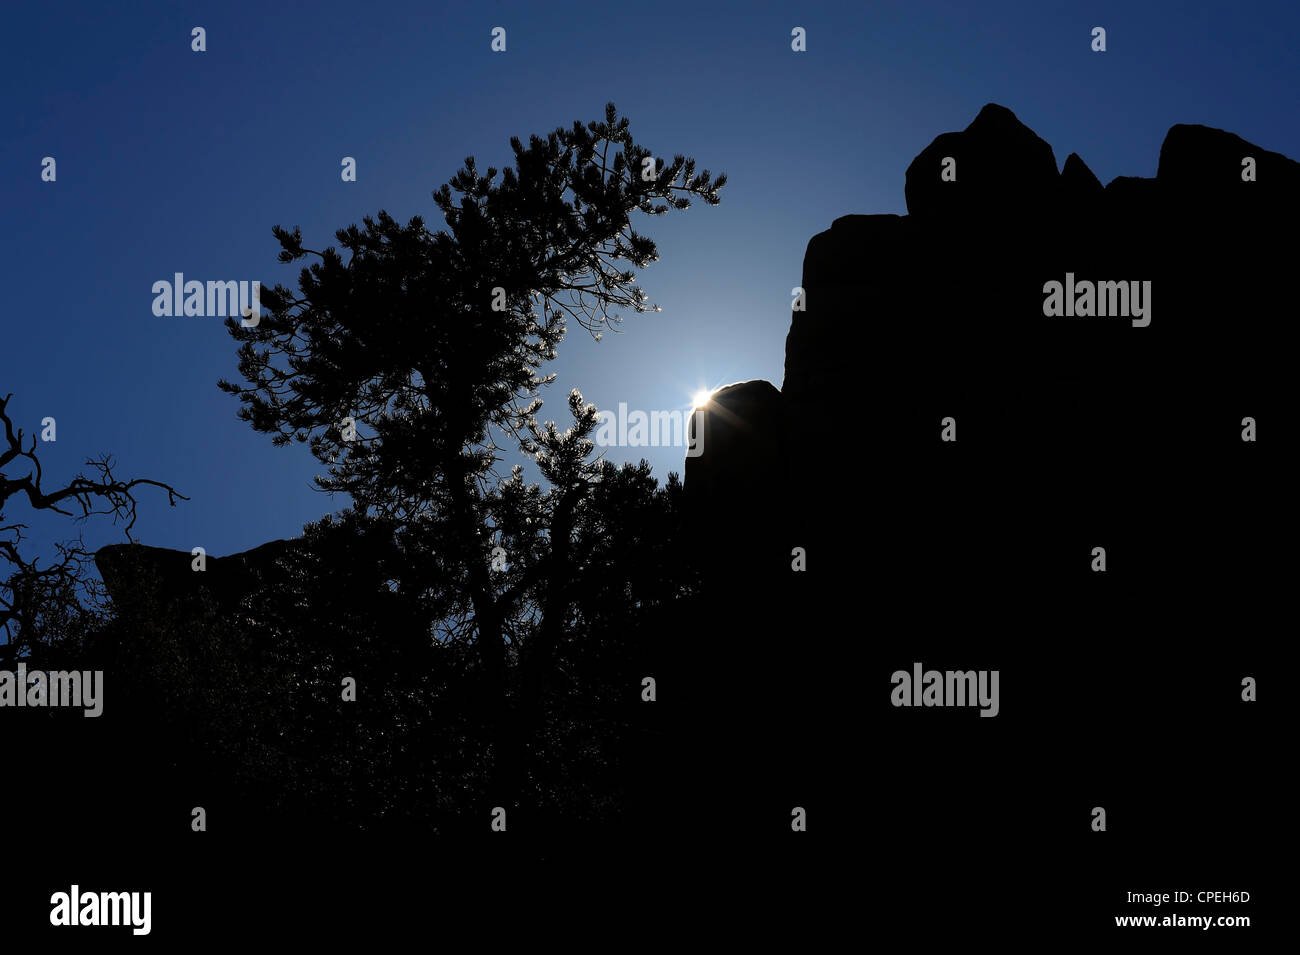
[134, 572]
[1003, 169]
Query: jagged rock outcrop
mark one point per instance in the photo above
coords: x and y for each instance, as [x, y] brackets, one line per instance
[133, 571]
[1081, 190]
[1072, 432]
[905, 315]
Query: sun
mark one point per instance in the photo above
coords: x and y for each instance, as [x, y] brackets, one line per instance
[701, 399]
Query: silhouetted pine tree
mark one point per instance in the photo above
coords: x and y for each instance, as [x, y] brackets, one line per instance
[430, 345]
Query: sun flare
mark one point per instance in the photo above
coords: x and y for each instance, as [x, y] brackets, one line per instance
[701, 399]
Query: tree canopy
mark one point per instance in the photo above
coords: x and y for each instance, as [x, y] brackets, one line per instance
[411, 363]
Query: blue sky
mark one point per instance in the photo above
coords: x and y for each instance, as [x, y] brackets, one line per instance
[175, 161]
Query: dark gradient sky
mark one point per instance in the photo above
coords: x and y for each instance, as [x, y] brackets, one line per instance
[174, 161]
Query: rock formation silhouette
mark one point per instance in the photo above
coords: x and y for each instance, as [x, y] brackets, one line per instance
[1072, 432]
[132, 570]
[909, 317]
